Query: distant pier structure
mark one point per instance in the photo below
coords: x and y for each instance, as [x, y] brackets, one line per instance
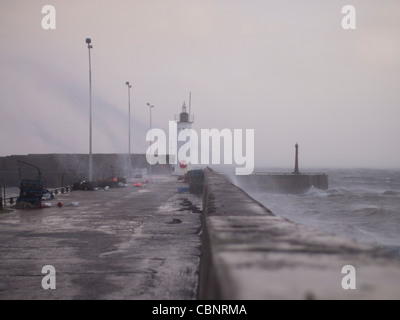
[290, 183]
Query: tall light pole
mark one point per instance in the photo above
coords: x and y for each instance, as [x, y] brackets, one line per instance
[150, 107]
[129, 139]
[89, 41]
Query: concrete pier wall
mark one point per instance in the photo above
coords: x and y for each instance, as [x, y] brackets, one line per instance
[249, 253]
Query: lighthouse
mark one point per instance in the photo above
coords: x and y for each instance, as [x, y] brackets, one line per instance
[184, 121]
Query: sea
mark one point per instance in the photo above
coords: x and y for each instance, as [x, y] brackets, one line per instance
[360, 204]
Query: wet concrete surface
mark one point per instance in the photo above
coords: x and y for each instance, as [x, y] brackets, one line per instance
[125, 243]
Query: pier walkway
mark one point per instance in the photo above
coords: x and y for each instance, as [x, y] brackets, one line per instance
[123, 243]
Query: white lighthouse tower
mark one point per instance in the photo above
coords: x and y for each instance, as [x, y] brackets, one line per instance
[184, 121]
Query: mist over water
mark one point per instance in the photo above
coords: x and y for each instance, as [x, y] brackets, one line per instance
[360, 204]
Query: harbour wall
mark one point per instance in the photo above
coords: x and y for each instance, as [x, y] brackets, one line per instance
[282, 183]
[249, 253]
[59, 170]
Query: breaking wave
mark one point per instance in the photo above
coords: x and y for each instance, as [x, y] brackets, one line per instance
[363, 205]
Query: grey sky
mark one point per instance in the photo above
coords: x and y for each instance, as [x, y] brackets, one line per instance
[284, 68]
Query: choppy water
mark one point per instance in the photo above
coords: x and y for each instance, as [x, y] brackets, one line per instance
[360, 204]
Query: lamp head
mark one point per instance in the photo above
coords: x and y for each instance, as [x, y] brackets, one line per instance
[88, 40]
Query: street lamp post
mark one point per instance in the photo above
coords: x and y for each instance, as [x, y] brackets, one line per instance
[89, 41]
[129, 139]
[150, 107]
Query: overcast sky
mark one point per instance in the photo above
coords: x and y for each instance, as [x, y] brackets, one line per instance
[284, 68]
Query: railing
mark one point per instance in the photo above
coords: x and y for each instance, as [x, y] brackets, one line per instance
[9, 201]
[190, 118]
